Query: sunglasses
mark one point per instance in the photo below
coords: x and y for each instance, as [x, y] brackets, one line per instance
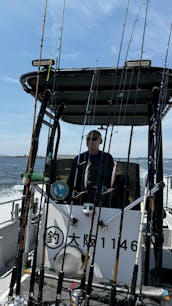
[92, 138]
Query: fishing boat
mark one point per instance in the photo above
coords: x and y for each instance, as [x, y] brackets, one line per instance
[72, 253]
[64, 245]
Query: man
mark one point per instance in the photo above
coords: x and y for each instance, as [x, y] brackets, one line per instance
[91, 172]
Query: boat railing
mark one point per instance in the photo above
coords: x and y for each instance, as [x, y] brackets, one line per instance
[168, 190]
[13, 213]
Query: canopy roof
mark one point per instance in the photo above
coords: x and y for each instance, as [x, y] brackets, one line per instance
[115, 96]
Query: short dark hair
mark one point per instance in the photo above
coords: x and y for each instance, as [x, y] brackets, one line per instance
[98, 134]
[95, 131]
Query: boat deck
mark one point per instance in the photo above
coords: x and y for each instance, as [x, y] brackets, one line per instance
[99, 296]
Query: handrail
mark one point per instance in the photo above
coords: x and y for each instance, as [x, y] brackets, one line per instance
[14, 211]
[11, 201]
[134, 203]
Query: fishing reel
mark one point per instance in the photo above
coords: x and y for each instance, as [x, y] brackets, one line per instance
[18, 300]
[77, 297]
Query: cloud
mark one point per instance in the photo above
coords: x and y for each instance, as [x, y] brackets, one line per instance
[70, 55]
[10, 80]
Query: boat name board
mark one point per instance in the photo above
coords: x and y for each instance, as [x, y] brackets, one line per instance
[55, 239]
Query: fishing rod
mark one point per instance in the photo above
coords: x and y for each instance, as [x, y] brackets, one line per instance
[25, 202]
[158, 119]
[163, 83]
[99, 201]
[158, 214]
[150, 204]
[96, 203]
[83, 290]
[150, 198]
[36, 127]
[125, 198]
[51, 158]
[87, 112]
[132, 296]
[34, 262]
[17, 269]
[49, 166]
[48, 174]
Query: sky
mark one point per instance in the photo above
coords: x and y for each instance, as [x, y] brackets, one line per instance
[91, 37]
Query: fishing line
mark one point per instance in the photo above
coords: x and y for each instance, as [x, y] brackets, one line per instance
[123, 33]
[132, 72]
[117, 65]
[126, 71]
[162, 89]
[119, 53]
[61, 35]
[128, 48]
[57, 62]
[91, 121]
[39, 63]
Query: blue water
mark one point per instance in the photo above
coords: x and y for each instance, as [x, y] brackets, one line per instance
[11, 169]
[11, 186]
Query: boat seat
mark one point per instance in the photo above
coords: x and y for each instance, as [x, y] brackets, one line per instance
[118, 196]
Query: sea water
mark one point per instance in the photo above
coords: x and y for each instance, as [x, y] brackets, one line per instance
[11, 186]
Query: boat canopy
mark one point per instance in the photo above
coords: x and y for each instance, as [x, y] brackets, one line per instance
[118, 96]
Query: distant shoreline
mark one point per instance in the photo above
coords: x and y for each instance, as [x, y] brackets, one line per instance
[39, 156]
[72, 156]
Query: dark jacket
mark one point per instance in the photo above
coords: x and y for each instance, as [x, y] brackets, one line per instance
[90, 173]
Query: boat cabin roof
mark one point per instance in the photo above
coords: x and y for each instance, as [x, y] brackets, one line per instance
[107, 95]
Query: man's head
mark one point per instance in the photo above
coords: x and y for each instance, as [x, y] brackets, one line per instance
[94, 139]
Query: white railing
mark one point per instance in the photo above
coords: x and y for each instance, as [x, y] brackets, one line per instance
[168, 191]
[13, 213]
